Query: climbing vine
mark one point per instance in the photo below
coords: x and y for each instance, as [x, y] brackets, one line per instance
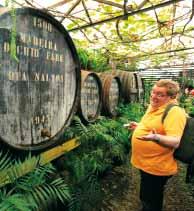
[13, 29]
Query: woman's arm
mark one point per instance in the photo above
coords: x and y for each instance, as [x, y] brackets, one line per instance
[167, 141]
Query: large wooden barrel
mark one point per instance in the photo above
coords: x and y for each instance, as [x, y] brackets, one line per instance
[128, 85]
[140, 87]
[40, 91]
[111, 93]
[91, 96]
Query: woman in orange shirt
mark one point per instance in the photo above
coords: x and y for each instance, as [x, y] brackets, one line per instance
[153, 143]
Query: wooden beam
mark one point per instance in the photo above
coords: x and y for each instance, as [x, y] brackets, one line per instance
[113, 4]
[142, 4]
[164, 52]
[86, 11]
[58, 4]
[56, 152]
[70, 10]
[164, 4]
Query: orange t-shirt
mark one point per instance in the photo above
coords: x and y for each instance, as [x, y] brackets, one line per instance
[150, 156]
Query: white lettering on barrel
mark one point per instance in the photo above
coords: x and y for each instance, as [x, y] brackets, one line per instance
[42, 24]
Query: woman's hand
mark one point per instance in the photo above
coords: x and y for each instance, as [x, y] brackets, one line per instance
[131, 125]
[153, 136]
[149, 137]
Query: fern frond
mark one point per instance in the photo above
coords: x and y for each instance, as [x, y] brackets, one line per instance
[80, 129]
[86, 195]
[46, 194]
[61, 190]
[16, 202]
[21, 168]
[79, 170]
[5, 160]
[35, 178]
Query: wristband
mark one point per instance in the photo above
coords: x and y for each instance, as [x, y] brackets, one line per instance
[156, 138]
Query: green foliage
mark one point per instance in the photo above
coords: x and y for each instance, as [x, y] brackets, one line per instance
[184, 100]
[5, 160]
[132, 66]
[86, 195]
[131, 112]
[106, 133]
[15, 202]
[104, 144]
[16, 169]
[187, 102]
[137, 34]
[185, 82]
[98, 62]
[13, 34]
[94, 60]
[37, 190]
[13, 30]
[85, 184]
[7, 2]
[147, 88]
[83, 58]
[48, 193]
[165, 14]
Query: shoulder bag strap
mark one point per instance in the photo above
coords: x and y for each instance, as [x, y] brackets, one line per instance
[167, 109]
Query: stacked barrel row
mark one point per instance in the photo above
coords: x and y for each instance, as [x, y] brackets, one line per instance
[102, 92]
[41, 84]
[132, 89]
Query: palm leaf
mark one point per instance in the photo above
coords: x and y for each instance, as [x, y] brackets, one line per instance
[5, 160]
[61, 190]
[18, 169]
[16, 202]
[46, 194]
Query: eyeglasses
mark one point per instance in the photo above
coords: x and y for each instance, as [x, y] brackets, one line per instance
[158, 94]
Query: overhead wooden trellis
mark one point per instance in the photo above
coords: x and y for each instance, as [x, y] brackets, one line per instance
[94, 15]
[126, 9]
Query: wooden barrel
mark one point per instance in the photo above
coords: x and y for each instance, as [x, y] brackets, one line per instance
[40, 91]
[91, 96]
[128, 85]
[140, 87]
[111, 93]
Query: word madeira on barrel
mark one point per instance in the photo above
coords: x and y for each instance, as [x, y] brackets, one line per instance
[40, 90]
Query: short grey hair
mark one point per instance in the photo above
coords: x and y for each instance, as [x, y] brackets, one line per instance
[173, 87]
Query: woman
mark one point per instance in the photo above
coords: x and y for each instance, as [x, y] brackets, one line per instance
[153, 143]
